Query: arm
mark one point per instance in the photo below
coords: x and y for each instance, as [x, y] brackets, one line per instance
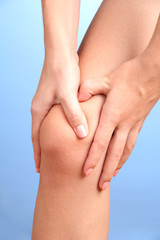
[60, 75]
[153, 49]
[61, 20]
[132, 90]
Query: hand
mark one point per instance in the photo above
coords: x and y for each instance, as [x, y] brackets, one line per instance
[59, 83]
[131, 92]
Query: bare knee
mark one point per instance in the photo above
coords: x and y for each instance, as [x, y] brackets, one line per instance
[59, 144]
[62, 152]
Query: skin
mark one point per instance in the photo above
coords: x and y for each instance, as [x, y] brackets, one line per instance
[69, 205]
[131, 92]
[60, 69]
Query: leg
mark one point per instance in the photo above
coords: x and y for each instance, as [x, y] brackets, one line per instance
[70, 206]
[120, 31]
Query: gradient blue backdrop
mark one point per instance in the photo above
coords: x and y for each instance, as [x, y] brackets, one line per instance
[135, 192]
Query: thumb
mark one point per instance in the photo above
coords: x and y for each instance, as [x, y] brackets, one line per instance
[75, 115]
[91, 87]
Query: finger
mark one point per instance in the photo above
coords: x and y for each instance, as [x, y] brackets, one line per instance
[114, 153]
[130, 144]
[91, 87]
[36, 122]
[116, 172]
[101, 140]
[37, 154]
[75, 115]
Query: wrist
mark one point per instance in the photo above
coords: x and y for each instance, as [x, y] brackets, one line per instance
[150, 62]
[54, 63]
[60, 43]
[150, 68]
[60, 58]
[151, 58]
[151, 55]
[60, 46]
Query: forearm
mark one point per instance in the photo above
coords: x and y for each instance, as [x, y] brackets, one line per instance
[150, 60]
[151, 55]
[61, 20]
[154, 45]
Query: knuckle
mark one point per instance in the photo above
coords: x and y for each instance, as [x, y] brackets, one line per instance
[91, 164]
[106, 175]
[32, 107]
[74, 119]
[114, 117]
[117, 156]
[106, 83]
[35, 109]
[100, 145]
[108, 178]
[114, 120]
[63, 95]
[101, 127]
[140, 128]
[130, 145]
[121, 165]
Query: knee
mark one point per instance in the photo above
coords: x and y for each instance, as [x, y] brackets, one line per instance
[62, 152]
[60, 147]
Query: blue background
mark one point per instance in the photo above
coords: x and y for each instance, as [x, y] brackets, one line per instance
[135, 192]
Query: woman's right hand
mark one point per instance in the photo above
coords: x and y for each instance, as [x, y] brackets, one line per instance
[59, 83]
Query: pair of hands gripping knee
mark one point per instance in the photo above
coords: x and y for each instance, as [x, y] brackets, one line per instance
[131, 92]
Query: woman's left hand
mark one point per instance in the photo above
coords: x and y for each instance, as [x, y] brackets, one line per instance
[131, 92]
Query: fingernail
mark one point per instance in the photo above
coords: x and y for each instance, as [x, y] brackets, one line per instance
[104, 185]
[115, 173]
[37, 170]
[81, 131]
[89, 171]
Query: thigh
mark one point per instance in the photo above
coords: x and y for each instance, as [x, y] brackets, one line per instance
[120, 31]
